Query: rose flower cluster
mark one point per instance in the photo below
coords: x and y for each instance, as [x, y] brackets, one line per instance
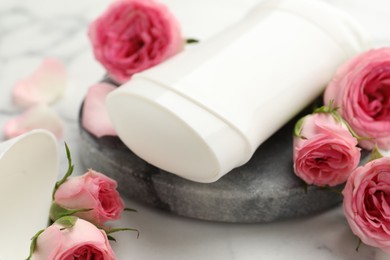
[129, 37]
[326, 144]
[80, 208]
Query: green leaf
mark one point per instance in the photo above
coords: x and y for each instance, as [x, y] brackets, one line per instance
[130, 209]
[191, 41]
[111, 238]
[56, 211]
[113, 230]
[67, 174]
[375, 154]
[33, 244]
[67, 221]
[325, 109]
[298, 128]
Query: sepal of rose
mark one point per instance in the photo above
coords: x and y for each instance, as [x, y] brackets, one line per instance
[331, 109]
[57, 211]
[110, 230]
[65, 222]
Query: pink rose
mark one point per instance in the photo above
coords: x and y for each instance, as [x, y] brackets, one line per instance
[361, 88]
[82, 241]
[325, 152]
[367, 203]
[133, 35]
[92, 190]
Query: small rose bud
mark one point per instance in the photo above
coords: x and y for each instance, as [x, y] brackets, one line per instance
[71, 238]
[93, 193]
[325, 151]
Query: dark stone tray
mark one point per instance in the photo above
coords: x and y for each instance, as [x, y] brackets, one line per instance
[265, 189]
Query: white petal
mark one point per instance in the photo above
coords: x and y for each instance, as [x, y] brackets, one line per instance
[95, 117]
[37, 117]
[44, 86]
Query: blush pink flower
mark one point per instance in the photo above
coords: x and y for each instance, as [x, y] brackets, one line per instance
[325, 152]
[367, 203]
[82, 241]
[44, 86]
[92, 190]
[36, 117]
[133, 35]
[95, 118]
[361, 90]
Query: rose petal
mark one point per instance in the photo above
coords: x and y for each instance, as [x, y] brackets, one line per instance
[44, 86]
[95, 117]
[40, 116]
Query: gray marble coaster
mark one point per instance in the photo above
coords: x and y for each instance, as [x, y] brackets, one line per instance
[265, 189]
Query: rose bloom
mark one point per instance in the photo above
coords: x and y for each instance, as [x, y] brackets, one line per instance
[367, 203]
[133, 35]
[361, 90]
[82, 241]
[325, 152]
[92, 190]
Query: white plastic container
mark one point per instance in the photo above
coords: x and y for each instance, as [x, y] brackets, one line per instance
[28, 170]
[205, 111]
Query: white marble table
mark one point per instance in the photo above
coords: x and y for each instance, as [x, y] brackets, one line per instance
[34, 29]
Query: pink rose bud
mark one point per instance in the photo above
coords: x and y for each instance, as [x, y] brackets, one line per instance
[325, 152]
[81, 241]
[367, 203]
[133, 35]
[94, 191]
[361, 90]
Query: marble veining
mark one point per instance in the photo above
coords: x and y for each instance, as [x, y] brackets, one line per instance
[32, 30]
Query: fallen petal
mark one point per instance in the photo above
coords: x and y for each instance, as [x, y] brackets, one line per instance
[95, 118]
[44, 86]
[37, 117]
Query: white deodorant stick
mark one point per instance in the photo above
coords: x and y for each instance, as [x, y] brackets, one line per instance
[206, 110]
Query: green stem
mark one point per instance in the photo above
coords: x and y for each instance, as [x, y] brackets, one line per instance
[67, 174]
[113, 230]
